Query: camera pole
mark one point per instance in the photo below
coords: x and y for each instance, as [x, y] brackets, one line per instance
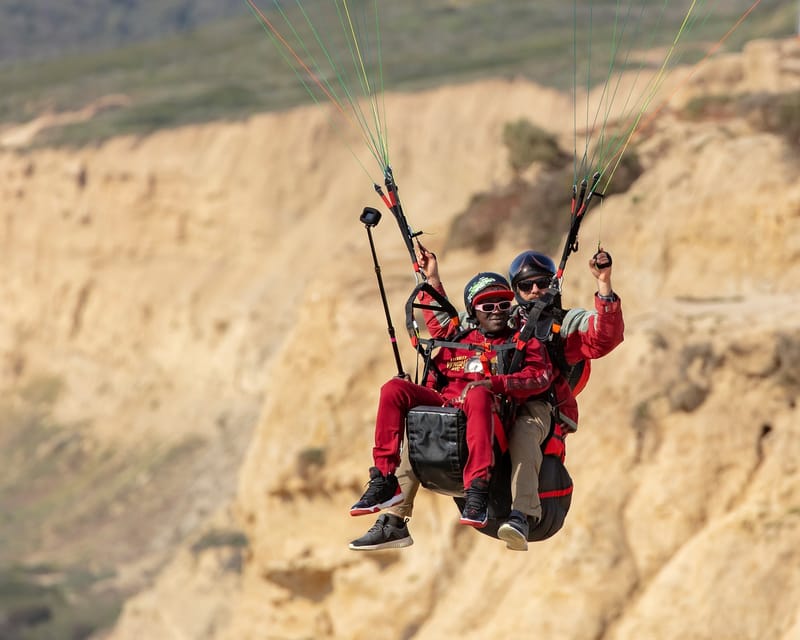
[370, 217]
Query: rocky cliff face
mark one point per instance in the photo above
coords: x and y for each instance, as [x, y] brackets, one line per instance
[213, 286]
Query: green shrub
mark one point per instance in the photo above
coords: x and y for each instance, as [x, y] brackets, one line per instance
[311, 457]
[708, 107]
[67, 605]
[789, 117]
[43, 390]
[779, 114]
[528, 143]
[220, 538]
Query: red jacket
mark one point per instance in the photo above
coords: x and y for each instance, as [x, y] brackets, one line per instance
[592, 334]
[534, 377]
[587, 335]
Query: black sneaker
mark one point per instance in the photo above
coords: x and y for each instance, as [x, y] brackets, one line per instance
[476, 508]
[388, 532]
[514, 531]
[382, 492]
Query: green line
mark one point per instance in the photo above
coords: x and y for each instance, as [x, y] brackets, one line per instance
[584, 169]
[361, 45]
[615, 40]
[385, 130]
[375, 147]
[291, 64]
[352, 45]
[357, 114]
[604, 148]
[605, 155]
[575, 91]
[659, 80]
[371, 94]
[619, 140]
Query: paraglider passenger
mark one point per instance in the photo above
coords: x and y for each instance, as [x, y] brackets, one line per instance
[469, 383]
[583, 336]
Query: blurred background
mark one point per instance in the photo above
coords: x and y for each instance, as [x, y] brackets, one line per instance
[192, 341]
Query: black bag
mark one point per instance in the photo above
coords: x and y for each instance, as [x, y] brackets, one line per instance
[437, 448]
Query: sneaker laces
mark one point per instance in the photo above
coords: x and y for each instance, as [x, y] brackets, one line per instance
[384, 521]
[378, 526]
[375, 487]
[475, 500]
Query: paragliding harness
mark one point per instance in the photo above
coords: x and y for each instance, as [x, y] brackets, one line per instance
[436, 439]
[546, 316]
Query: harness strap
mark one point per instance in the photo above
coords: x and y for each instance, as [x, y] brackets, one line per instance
[569, 422]
[530, 329]
[500, 433]
[445, 306]
[472, 346]
[422, 346]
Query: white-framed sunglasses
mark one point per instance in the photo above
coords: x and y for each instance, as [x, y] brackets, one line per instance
[489, 307]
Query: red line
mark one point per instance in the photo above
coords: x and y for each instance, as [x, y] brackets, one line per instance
[558, 493]
[296, 57]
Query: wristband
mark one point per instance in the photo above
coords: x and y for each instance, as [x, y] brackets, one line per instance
[610, 298]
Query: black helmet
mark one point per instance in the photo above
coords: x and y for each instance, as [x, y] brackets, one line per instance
[530, 264]
[481, 282]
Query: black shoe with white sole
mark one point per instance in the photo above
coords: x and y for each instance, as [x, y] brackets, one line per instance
[382, 492]
[388, 532]
[514, 531]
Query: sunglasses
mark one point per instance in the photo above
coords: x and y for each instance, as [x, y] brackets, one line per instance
[489, 307]
[526, 286]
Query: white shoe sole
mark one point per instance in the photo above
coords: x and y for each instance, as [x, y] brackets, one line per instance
[514, 539]
[392, 544]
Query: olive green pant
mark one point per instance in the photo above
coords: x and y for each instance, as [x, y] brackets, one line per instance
[530, 428]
